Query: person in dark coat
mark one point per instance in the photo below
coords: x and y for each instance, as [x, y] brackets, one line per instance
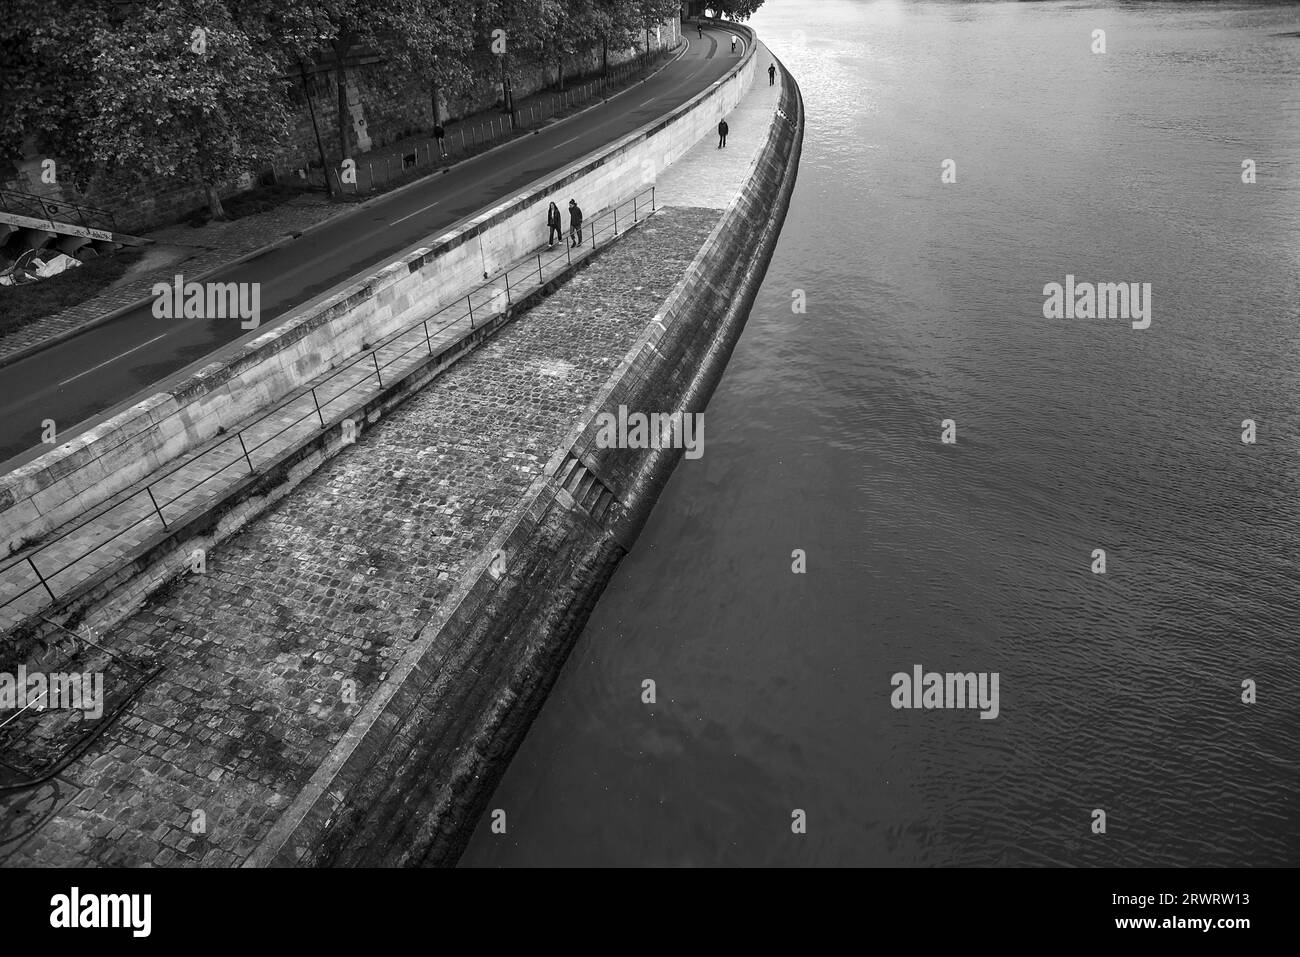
[771, 75]
[575, 224]
[438, 134]
[723, 129]
[556, 224]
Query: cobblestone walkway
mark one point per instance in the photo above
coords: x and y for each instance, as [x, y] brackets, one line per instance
[332, 585]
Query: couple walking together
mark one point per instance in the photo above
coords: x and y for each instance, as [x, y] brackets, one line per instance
[556, 224]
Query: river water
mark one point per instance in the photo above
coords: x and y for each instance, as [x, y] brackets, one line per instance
[1118, 692]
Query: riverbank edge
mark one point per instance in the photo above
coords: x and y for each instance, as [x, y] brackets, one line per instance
[409, 784]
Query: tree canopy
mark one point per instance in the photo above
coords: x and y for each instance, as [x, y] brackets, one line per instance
[202, 90]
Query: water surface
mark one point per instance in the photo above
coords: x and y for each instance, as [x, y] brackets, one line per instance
[1119, 692]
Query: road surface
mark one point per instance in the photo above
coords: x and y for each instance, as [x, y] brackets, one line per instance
[91, 377]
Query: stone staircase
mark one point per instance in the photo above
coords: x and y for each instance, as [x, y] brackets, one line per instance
[591, 494]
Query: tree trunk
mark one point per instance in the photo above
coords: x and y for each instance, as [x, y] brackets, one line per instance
[433, 96]
[341, 73]
[559, 65]
[320, 147]
[604, 55]
[214, 202]
[507, 96]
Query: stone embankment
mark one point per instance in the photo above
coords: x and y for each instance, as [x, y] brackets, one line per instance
[347, 678]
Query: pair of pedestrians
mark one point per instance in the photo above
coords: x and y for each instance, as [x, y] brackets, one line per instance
[555, 223]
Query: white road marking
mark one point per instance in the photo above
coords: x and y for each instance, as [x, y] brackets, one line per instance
[416, 213]
[114, 359]
[568, 141]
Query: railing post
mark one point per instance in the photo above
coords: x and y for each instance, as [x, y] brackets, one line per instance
[615, 220]
[634, 207]
[508, 301]
[652, 199]
[247, 457]
[375, 357]
[41, 578]
[539, 267]
[471, 310]
[318, 411]
[568, 251]
[427, 342]
[149, 489]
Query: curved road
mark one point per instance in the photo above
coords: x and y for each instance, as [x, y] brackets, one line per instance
[84, 380]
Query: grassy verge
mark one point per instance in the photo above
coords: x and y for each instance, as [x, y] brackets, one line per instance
[22, 305]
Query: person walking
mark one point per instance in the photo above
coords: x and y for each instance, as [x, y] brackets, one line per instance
[723, 129]
[556, 226]
[733, 43]
[699, 28]
[575, 224]
[771, 75]
[438, 134]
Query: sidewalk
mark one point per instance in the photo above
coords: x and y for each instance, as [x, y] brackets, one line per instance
[216, 245]
[711, 177]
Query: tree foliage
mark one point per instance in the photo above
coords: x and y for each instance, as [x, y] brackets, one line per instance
[736, 10]
[118, 86]
[183, 93]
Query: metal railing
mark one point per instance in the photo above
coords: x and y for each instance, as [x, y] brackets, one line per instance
[61, 211]
[606, 225]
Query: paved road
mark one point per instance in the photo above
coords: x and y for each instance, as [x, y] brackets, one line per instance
[81, 382]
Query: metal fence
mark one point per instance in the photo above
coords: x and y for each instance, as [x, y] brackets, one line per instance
[544, 262]
[61, 211]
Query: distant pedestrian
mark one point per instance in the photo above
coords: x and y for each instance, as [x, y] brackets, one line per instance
[771, 75]
[575, 224]
[699, 27]
[723, 129]
[733, 43]
[438, 134]
[556, 224]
